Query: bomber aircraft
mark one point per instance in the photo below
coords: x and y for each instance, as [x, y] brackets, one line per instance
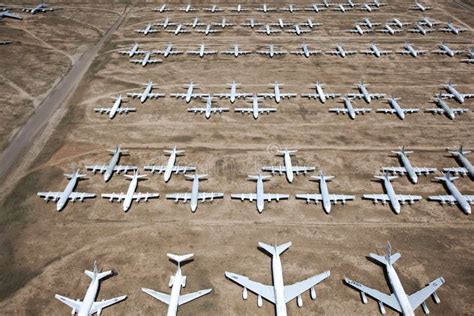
[272, 51]
[147, 30]
[420, 7]
[276, 94]
[236, 51]
[168, 51]
[189, 95]
[454, 197]
[115, 109]
[170, 166]
[146, 94]
[255, 110]
[320, 94]
[112, 167]
[364, 94]
[209, 109]
[201, 51]
[451, 28]
[287, 166]
[147, 59]
[444, 108]
[466, 166]
[453, 93]
[349, 109]
[42, 7]
[306, 51]
[408, 49]
[374, 50]
[444, 49]
[341, 52]
[396, 109]
[233, 94]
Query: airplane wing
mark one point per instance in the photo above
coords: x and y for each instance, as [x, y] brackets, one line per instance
[183, 169]
[399, 170]
[292, 291]
[12, 15]
[339, 110]
[377, 95]
[377, 197]
[272, 196]
[209, 196]
[155, 168]
[125, 110]
[367, 52]
[442, 198]
[183, 299]
[416, 299]
[197, 110]
[355, 95]
[244, 110]
[222, 95]
[103, 110]
[165, 298]
[460, 110]
[97, 168]
[267, 95]
[145, 196]
[274, 169]
[435, 110]
[114, 196]
[424, 170]
[266, 110]
[389, 300]
[96, 306]
[386, 111]
[179, 196]
[403, 52]
[74, 304]
[332, 52]
[50, 195]
[124, 169]
[310, 197]
[351, 52]
[408, 198]
[303, 169]
[310, 95]
[178, 95]
[244, 196]
[80, 196]
[340, 198]
[362, 110]
[456, 170]
[266, 291]
[410, 110]
[288, 95]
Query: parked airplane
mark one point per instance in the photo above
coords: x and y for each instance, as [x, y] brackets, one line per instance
[252, 24]
[213, 9]
[178, 30]
[272, 51]
[281, 24]
[147, 30]
[341, 7]
[325, 197]
[426, 21]
[238, 8]
[88, 306]
[188, 8]
[298, 30]
[290, 8]
[309, 23]
[195, 23]
[375, 51]
[454, 197]
[201, 51]
[470, 57]
[109, 169]
[359, 30]
[147, 59]
[306, 51]
[378, 4]
[146, 94]
[276, 94]
[42, 7]
[170, 165]
[323, 96]
[209, 109]
[133, 51]
[397, 22]
[316, 7]
[115, 109]
[366, 22]
[420, 29]
[444, 49]
[287, 166]
[395, 108]
[255, 110]
[445, 109]
[451, 28]
[398, 300]
[265, 8]
[208, 30]
[236, 51]
[350, 3]
[5, 42]
[408, 49]
[278, 294]
[8, 14]
[466, 166]
[61, 198]
[453, 93]
[406, 166]
[267, 29]
[176, 282]
[168, 51]
[163, 8]
[349, 109]
[195, 196]
[223, 23]
[420, 7]
[391, 197]
[388, 29]
[367, 7]
[341, 52]
[189, 95]
[364, 94]
[233, 95]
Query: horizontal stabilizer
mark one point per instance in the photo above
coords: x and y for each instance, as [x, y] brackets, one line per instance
[179, 259]
[275, 250]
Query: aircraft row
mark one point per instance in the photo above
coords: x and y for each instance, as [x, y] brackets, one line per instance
[260, 197]
[39, 8]
[395, 26]
[277, 293]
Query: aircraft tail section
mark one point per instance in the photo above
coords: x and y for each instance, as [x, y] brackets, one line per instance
[75, 174]
[446, 178]
[389, 259]
[179, 259]
[286, 151]
[194, 176]
[322, 177]
[275, 250]
[460, 151]
[389, 178]
[96, 274]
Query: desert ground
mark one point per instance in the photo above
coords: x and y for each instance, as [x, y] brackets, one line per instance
[44, 252]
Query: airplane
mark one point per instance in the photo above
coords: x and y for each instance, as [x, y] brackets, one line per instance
[146, 94]
[359, 30]
[391, 197]
[397, 22]
[454, 197]
[162, 8]
[350, 3]
[309, 23]
[445, 109]
[470, 57]
[366, 22]
[233, 95]
[267, 30]
[276, 94]
[213, 9]
[166, 22]
[201, 52]
[265, 8]
[188, 8]
[88, 306]
[298, 30]
[341, 52]
[398, 300]
[428, 22]
[306, 51]
[407, 167]
[324, 195]
[147, 30]
[238, 8]
[195, 23]
[168, 51]
[272, 51]
[367, 7]
[315, 7]
[408, 49]
[178, 30]
[395, 108]
[236, 51]
[466, 168]
[453, 93]
[378, 4]
[109, 169]
[42, 7]
[349, 109]
[255, 110]
[208, 30]
[61, 198]
[5, 42]
[176, 282]
[341, 7]
[170, 165]
[420, 7]
[195, 196]
[364, 94]
[115, 109]
[223, 23]
[325, 3]
[444, 49]
[8, 14]
[420, 29]
[323, 96]
[288, 167]
[189, 95]
[251, 23]
[388, 30]
[375, 51]
[290, 8]
[451, 28]
[281, 24]
[279, 294]
[146, 59]
[208, 110]
[133, 51]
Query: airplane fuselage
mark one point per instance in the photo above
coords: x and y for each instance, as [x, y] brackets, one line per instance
[323, 187]
[115, 106]
[146, 92]
[133, 51]
[392, 196]
[131, 190]
[278, 286]
[320, 92]
[288, 167]
[194, 194]
[111, 166]
[453, 190]
[233, 92]
[89, 298]
[375, 50]
[169, 166]
[66, 193]
[189, 93]
[399, 292]
[447, 110]
[260, 192]
[145, 60]
[365, 93]
[341, 51]
[277, 93]
[457, 96]
[306, 52]
[398, 110]
[255, 108]
[408, 167]
[350, 108]
[175, 292]
[411, 50]
[207, 114]
[466, 164]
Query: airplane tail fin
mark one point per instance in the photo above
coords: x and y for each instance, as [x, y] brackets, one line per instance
[286, 151]
[194, 176]
[76, 174]
[118, 149]
[401, 150]
[180, 259]
[322, 176]
[275, 250]
[95, 274]
[388, 259]
[385, 176]
[446, 177]
[460, 151]
[264, 178]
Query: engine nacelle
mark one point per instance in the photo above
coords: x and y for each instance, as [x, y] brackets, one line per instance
[436, 298]
[299, 301]
[245, 294]
[364, 297]
[259, 301]
[312, 293]
[170, 284]
[183, 282]
[382, 308]
[425, 309]
[73, 312]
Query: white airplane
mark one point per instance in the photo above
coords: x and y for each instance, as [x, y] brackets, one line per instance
[223, 23]
[420, 29]
[147, 30]
[408, 49]
[233, 95]
[288, 167]
[170, 165]
[397, 22]
[163, 8]
[306, 51]
[323, 96]
[61, 198]
[109, 169]
[367, 7]
[419, 7]
[398, 300]
[260, 196]
[238, 8]
[178, 30]
[426, 21]
[341, 7]
[201, 51]
[366, 22]
[378, 4]
[364, 94]
[396, 109]
[130, 196]
[189, 95]
[375, 51]
[8, 14]
[407, 167]
[42, 7]
[466, 166]
[88, 306]
[315, 7]
[267, 29]
[276, 94]
[350, 3]
[133, 51]
[297, 30]
[188, 8]
[325, 3]
[278, 294]
[147, 59]
[359, 30]
[213, 9]
[309, 23]
[454, 197]
[445, 109]
[146, 94]
[236, 51]
[195, 196]
[5, 42]
[444, 49]
[391, 197]
[252, 24]
[325, 197]
[208, 30]
[470, 57]
[389, 30]
[272, 51]
[255, 110]
[451, 28]
[281, 23]
[290, 8]
[349, 109]
[177, 281]
[341, 52]
[115, 109]
[265, 8]
[209, 109]
[453, 93]
[195, 23]
[168, 51]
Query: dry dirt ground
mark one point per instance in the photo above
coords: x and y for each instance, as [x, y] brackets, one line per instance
[45, 252]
